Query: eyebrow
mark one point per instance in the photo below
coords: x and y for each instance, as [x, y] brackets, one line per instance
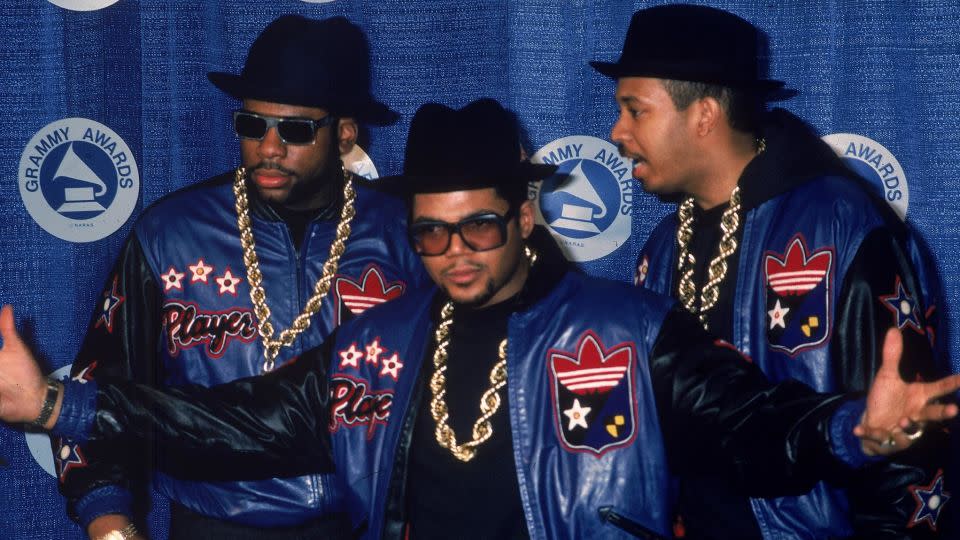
[482, 212]
[631, 100]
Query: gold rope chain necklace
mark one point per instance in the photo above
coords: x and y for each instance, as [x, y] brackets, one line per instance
[489, 401]
[271, 346]
[729, 224]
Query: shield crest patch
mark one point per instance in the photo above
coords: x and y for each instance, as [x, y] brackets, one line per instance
[798, 289]
[594, 404]
[357, 296]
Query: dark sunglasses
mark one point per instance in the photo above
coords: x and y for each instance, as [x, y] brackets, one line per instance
[481, 232]
[292, 130]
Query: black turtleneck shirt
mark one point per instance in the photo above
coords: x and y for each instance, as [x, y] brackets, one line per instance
[479, 498]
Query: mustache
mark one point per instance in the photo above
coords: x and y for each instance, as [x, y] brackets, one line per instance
[271, 166]
[462, 266]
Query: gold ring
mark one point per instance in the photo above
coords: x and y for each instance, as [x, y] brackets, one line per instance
[891, 442]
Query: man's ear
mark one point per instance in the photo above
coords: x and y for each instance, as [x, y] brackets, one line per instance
[708, 113]
[526, 219]
[346, 134]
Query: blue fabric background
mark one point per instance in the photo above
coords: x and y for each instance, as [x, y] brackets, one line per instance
[879, 68]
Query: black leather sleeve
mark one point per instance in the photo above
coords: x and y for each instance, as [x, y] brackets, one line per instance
[719, 413]
[882, 502]
[260, 427]
[121, 341]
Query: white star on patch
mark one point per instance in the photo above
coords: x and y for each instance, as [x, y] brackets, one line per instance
[228, 283]
[391, 366]
[373, 352]
[171, 280]
[577, 415]
[200, 271]
[351, 356]
[778, 316]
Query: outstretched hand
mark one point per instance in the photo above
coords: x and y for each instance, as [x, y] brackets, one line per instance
[22, 384]
[898, 411]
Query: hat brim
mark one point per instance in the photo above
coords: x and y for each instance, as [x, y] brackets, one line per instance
[368, 111]
[771, 89]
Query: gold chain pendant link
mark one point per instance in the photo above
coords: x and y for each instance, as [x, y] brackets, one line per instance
[271, 346]
[686, 288]
[490, 401]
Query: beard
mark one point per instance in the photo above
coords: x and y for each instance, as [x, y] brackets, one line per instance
[317, 191]
[479, 299]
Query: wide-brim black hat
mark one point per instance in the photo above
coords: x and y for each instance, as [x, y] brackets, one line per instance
[477, 146]
[698, 44]
[311, 63]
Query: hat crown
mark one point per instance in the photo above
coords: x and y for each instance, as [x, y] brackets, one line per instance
[300, 61]
[477, 146]
[482, 138]
[693, 43]
[712, 40]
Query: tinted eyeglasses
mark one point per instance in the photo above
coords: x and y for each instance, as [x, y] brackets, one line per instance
[292, 130]
[481, 232]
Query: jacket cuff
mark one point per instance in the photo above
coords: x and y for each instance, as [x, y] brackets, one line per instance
[104, 500]
[845, 445]
[77, 411]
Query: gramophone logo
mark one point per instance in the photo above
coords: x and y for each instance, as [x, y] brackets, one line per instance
[587, 204]
[78, 179]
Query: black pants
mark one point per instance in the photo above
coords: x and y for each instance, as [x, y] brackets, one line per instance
[186, 524]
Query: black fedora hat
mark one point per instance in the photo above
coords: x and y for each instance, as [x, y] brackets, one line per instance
[693, 43]
[474, 147]
[312, 63]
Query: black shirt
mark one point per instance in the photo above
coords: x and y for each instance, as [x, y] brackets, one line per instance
[705, 498]
[446, 497]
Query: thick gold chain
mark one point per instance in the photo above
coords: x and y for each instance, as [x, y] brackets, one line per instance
[729, 223]
[271, 346]
[489, 401]
[686, 288]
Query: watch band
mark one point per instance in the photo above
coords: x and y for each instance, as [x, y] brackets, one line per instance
[53, 391]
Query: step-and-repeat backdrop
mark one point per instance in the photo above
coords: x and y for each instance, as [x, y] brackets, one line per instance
[115, 92]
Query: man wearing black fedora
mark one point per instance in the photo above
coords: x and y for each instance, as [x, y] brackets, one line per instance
[507, 401]
[782, 251]
[239, 274]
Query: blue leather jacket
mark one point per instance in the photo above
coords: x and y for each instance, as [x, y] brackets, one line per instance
[176, 310]
[662, 394]
[823, 269]
[603, 482]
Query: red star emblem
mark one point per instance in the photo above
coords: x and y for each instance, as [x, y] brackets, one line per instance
[228, 283]
[391, 366]
[171, 280]
[111, 301]
[200, 271]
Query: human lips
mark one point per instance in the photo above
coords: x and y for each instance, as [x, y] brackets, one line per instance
[270, 178]
[462, 275]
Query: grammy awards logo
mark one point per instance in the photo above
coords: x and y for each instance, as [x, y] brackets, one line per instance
[875, 164]
[78, 179]
[587, 204]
